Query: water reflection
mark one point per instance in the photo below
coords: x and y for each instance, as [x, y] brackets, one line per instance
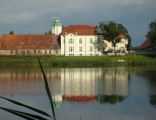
[153, 100]
[69, 84]
[90, 84]
[111, 99]
[87, 93]
[149, 77]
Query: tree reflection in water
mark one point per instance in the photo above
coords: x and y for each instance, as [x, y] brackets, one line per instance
[153, 100]
[109, 99]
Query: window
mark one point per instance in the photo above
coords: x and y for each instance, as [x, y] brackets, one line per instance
[71, 41]
[45, 51]
[91, 48]
[98, 48]
[71, 49]
[12, 51]
[34, 51]
[16, 51]
[98, 40]
[80, 49]
[91, 41]
[80, 41]
[27, 51]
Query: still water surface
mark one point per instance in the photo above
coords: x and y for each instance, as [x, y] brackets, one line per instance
[83, 93]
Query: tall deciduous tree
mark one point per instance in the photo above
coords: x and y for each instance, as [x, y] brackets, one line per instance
[151, 35]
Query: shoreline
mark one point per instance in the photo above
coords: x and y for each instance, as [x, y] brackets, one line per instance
[77, 61]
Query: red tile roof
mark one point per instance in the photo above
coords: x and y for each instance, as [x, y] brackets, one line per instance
[122, 36]
[36, 41]
[146, 44]
[79, 98]
[79, 30]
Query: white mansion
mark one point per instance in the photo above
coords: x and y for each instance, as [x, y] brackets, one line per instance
[82, 40]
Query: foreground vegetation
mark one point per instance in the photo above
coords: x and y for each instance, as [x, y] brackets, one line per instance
[88, 61]
[39, 113]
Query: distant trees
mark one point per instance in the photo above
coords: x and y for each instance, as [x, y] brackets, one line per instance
[110, 31]
[151, 35]
[48, 33]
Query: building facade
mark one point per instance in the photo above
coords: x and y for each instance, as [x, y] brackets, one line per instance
[79, 40]
[121, 45]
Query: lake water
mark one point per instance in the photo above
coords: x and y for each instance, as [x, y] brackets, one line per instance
[83, 93]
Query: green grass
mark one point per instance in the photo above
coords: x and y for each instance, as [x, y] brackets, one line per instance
[79, 61]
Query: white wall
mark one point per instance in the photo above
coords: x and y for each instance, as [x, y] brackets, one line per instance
[57, 30]
[122, 45]
[86, 44]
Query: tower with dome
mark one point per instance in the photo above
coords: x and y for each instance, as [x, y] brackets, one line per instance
[56, 27]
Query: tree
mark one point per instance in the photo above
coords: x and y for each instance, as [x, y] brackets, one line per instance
[49, 33]
[11, 32]
[151, 35]
[111, 31]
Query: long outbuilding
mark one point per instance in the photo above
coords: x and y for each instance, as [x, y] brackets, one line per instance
[28, 44]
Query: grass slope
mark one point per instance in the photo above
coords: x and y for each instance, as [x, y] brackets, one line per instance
[79, 61]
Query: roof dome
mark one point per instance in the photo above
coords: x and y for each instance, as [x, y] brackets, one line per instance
[57, 22]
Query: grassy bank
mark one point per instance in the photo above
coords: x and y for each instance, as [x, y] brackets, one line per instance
[61, 61]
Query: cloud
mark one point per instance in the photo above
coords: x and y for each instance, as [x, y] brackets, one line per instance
[17, 17]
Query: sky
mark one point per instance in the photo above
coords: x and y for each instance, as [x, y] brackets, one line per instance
[36, 16]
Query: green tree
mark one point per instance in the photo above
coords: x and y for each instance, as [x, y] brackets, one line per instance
[11, 32]
[49, 32]
[111, 31]
[151, 35]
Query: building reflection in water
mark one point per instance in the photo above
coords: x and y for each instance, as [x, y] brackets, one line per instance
[90, 84]
[69, 84]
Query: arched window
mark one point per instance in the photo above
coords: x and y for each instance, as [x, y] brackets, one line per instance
[71, 41]
[80, 41]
